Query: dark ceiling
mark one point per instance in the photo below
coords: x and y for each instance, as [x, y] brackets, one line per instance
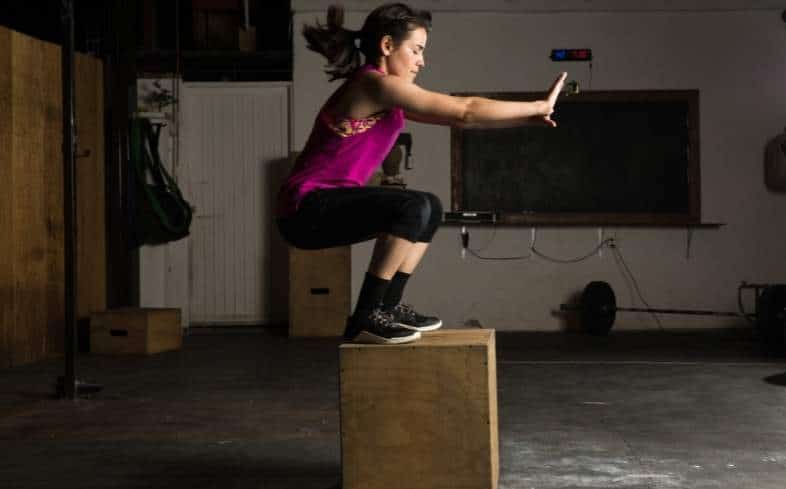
[198, 39]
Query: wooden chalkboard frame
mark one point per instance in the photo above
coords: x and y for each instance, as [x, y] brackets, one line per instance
[691, 217]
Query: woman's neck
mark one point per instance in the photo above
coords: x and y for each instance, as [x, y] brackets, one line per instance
[379, 66]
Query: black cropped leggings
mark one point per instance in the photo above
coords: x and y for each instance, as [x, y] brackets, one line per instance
[343, 216]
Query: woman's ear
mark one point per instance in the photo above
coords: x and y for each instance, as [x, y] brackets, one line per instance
[386, 45]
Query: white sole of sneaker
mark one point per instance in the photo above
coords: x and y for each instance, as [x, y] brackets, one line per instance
[433, 327]
[366, 337]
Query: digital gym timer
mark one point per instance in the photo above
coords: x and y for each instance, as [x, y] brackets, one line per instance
[571, 55]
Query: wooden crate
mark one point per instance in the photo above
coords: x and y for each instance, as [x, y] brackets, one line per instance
[319, 291]
[421, 415]
[135, 331]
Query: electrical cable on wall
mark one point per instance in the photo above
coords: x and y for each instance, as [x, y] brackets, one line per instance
[475, 252]
[572, 260]
[607, 242]
[600, 246]
[590, 75]
[465, 248]
[489, 241]
[621, 261]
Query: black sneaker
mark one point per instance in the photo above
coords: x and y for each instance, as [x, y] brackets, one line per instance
[406, 317]
[378, 327]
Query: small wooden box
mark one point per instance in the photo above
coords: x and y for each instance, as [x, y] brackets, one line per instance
[135, 330]
[421, 415]
[319, 291]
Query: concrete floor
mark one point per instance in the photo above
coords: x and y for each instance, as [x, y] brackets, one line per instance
[253, 409]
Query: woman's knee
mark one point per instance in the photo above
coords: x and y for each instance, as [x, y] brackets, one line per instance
[422, 213]
[414, 216]
[435, 217]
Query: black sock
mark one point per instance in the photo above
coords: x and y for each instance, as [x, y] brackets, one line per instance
[371, 294]
[395, 290]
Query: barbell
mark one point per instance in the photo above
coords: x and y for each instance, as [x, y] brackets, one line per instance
[598, 309]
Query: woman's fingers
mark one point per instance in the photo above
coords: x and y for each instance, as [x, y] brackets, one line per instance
[556, 88]
[546, 120]
[559, 81]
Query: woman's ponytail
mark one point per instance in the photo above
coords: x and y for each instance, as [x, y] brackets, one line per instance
[343, 47]
[334, 43]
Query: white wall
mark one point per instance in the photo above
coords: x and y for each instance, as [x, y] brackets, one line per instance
[163, 269]
[734, 52]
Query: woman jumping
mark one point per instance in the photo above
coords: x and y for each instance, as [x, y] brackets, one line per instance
[324, 202]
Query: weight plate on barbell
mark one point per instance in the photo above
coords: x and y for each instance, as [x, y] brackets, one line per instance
[598, 308]
[770, 320]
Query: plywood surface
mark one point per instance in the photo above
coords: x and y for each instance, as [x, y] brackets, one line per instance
[31, 197]
[422, 415]
[328, 270]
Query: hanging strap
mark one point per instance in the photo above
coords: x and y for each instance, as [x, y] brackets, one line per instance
[150, 161]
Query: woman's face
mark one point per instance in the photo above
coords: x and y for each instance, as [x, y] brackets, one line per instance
[406, 59]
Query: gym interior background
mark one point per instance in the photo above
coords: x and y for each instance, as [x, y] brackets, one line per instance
[662, 401]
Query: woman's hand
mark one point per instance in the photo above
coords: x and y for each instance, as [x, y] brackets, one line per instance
[472, 112]
[551, 100]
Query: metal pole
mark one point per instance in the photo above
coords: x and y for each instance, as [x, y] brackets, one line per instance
[605, 309]
[677, 311]
[69, 203]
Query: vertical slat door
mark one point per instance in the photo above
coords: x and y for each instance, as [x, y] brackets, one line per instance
[233, 133]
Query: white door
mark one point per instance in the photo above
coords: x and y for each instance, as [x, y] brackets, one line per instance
[233, 135]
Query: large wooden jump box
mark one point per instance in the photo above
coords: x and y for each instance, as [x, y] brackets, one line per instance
[319, 291]
[135, 331]
[421, 415]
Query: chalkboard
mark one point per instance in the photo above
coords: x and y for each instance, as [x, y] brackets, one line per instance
[615, 157]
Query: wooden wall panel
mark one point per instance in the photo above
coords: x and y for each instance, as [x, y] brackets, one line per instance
[31, 200]
[55, 259]
[91, 208]
[33, 66]
[6, 209]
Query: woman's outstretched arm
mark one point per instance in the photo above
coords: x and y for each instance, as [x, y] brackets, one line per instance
[467, 112]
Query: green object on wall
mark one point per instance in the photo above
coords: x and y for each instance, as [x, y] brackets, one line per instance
[161, 214]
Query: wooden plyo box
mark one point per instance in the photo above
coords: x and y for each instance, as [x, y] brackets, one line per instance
[135, 331]
[319, 291]
[421, 415]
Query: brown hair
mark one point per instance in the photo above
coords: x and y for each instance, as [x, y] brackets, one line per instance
[339, 46]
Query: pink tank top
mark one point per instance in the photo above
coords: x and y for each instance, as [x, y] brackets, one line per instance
[340, 152]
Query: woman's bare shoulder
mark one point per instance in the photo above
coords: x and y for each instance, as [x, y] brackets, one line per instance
[356, 98]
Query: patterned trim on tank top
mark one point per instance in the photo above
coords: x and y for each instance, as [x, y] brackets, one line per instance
[349, 127]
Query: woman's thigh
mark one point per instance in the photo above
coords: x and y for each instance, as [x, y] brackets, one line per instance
[342, 216]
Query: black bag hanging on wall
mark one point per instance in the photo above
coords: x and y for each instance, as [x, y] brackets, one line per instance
[161, 214]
